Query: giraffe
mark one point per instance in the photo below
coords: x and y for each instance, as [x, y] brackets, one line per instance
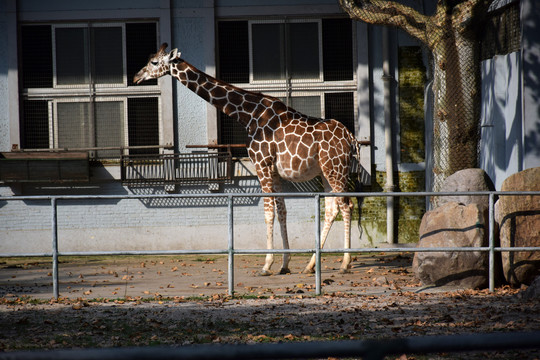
[283, 144]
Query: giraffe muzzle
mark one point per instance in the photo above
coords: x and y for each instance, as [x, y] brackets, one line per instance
[139, 77]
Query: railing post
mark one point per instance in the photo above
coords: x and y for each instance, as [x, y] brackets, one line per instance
[122, 168]
[54, 228]
[491, 243]
[230, 274]
[318, 245]
[229, 163]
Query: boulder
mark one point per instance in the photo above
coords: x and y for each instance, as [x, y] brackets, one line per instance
[465, 180]
[533, 291]
[519, 222]
[453, 225]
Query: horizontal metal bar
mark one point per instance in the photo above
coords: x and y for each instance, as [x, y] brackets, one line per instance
[259, 195]
[216, 146]
[97, 148]
[8, 255]
[273, 251]
[142, 252]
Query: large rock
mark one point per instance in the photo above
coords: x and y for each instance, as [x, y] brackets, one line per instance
[466, 180]
[519, 222]
[533, 291]
[453, 225]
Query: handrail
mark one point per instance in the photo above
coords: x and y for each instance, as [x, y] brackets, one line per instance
[491, 248]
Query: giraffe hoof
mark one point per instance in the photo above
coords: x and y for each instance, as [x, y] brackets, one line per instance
[344, 271]
[308, 271]
[284, 271]
[265, 273]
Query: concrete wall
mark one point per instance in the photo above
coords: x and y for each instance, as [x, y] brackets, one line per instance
[501, 145]
[181, 224]
[156, 224]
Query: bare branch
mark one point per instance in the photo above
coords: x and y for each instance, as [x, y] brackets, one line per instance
[391, 13]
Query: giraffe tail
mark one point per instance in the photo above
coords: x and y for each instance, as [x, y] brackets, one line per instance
[358, 184]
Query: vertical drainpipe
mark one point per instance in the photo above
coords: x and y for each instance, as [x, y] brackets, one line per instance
[388, 80]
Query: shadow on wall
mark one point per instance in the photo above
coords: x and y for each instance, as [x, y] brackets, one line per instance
[247, 186]
[531, 81]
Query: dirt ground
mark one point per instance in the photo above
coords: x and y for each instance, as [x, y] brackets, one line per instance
[201, 276]
[179, 300]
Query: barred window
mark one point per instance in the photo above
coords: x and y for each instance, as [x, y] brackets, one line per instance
[308, 63]
[77, 90]
[502, 33]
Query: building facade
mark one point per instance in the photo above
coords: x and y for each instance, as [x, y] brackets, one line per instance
[65, 83]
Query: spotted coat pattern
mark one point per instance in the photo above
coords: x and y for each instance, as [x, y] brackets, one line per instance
[283, 143]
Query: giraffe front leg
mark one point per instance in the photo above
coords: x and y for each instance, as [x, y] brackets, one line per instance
[269, 220]
[282, 217]
[346, 206]
[281, 210]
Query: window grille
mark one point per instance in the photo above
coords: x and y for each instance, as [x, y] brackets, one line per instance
[71, 63]
[36, 56]
[233, 45]
[340, 106]
[143, 124]
[35, 124]
[77, 89]
[140, 43]
[308, 63]
[337, 49]
[502, 34]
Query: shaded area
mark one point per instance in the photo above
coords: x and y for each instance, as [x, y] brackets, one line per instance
[224, 320]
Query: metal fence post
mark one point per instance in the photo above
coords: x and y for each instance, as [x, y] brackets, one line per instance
[318, 245]
[54, 230]
[230, 274]
[491, 243]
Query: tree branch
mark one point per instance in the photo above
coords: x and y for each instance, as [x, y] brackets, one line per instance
[391, 13]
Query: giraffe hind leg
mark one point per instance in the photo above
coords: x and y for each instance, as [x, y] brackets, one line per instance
[346, 207]
[282, 218]
[331, 210]
[269, 220]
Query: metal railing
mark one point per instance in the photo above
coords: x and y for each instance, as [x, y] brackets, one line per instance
[193, 168]
[230, 251]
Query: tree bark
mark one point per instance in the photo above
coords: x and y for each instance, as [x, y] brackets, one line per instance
[451, 37]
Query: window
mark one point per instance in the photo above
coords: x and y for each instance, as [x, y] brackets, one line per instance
[281, 51]
[77, 90]
[308, 63]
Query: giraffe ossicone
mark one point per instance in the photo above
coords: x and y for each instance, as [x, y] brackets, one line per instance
[283, 144]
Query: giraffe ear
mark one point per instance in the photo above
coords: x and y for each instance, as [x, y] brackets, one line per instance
[174, 54]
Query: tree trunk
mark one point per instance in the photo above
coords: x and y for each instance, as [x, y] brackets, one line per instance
[456, 84]
[450, 34]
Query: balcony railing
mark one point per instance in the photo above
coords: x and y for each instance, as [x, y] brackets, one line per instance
[182, 168]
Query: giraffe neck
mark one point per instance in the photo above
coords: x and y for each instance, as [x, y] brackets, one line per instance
[239, 104]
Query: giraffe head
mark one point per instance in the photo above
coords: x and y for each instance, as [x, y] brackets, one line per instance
[158, 65]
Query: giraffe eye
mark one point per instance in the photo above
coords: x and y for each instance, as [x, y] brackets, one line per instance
[154, 63]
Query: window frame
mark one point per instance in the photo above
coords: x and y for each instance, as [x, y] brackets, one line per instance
[300, 87]
[53, 118]
[92, 92]
[269, 86]
[89, 26]
[284, 82]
